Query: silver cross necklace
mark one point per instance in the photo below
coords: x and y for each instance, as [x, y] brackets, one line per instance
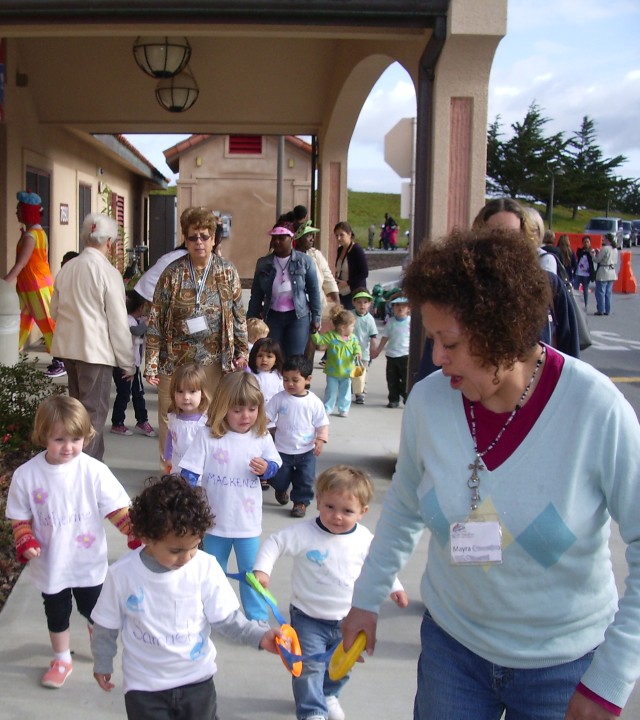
[473, 483]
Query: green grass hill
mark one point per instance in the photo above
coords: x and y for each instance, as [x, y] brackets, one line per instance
[369, 208]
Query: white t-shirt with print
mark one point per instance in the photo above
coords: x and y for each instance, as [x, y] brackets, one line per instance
[325, 565]
[398, 334]
[364, 330]
[165, 619]
[297, 420]
[182, 429]
[66, 505]
[233, 491]
[270, 383]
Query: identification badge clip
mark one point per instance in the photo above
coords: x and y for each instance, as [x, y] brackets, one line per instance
[476, 541]
[197, 324]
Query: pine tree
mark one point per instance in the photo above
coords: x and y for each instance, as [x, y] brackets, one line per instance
[519, 166]
[588, 176]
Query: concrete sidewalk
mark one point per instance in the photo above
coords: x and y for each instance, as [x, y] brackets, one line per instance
[249, 684]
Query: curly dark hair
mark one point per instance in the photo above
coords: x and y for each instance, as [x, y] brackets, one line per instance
[170, 505]
[492, 283]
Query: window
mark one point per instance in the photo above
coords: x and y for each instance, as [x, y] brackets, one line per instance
[117, 212]
[245, 144]
[84, 202]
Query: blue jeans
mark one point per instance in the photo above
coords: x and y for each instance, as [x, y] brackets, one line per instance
[584, 281]
[603, 296]
[337, 389]
[246, 552]
[456, 684]
[290, 331]
[314, 684]
[299, 471]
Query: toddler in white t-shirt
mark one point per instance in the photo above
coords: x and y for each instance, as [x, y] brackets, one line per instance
[302, 429]
[190, 399]
[228, 458]
[164, 599]
[57, 503]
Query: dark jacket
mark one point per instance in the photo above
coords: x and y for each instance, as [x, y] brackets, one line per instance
[592, 268]
[358, 266]
[304, 287]
[567, 335]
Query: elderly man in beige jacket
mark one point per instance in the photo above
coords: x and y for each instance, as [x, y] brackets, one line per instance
[92, 332]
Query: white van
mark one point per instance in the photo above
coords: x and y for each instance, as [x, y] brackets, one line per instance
[604, 225]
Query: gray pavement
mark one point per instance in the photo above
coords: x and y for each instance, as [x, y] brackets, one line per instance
[249, 684]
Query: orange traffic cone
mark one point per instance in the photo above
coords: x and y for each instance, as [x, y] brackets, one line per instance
[626, 282]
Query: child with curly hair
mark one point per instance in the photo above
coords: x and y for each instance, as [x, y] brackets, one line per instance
[164, 599]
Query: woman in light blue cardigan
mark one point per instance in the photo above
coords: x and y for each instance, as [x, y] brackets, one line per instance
[522, 613]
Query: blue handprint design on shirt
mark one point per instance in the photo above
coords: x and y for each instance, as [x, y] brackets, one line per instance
[134, 602]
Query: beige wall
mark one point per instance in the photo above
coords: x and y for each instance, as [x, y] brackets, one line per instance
[245, 188]
[266, 79]
[69, 161]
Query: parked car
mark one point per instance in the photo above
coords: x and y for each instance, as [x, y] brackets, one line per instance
[635, 232]
[627, 239]
[604, 225]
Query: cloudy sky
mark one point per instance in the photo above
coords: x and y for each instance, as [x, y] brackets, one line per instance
[573, 57]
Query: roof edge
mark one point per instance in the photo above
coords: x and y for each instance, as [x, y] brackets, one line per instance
[173, 153]
[390, 13]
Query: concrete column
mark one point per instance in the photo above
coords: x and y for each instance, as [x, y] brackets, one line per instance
[456, 190]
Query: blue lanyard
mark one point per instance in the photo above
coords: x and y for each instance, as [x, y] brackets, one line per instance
[200, 285]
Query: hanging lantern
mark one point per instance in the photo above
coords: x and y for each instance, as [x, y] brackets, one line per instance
[177, 94]
[162, 57]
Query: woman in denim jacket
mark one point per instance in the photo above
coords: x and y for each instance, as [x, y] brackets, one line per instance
[285, 293]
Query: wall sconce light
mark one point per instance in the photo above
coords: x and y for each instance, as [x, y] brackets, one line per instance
[292, 162]
[162, 57]
[198, 161]
[178, 93]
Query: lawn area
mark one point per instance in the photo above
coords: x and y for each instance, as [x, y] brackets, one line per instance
[368, 208]
[563, 222]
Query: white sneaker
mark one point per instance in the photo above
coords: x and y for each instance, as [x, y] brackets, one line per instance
[334, 708]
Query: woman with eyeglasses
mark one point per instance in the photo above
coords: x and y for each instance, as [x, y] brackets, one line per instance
[196, 314]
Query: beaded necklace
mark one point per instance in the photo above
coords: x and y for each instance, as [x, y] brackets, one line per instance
[473, 483]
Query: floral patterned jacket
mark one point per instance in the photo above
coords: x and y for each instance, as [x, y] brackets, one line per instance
[169, 342]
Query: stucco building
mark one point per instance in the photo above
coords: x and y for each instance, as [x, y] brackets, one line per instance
[265, 67]
[236, 175]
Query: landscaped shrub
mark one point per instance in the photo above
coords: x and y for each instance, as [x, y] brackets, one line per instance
[22, 388]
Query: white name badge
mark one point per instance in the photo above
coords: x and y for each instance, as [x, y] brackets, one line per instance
[285, 287]
[476, 542]
[197, 324]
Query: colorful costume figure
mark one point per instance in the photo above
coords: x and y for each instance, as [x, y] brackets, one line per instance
[34, 282]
